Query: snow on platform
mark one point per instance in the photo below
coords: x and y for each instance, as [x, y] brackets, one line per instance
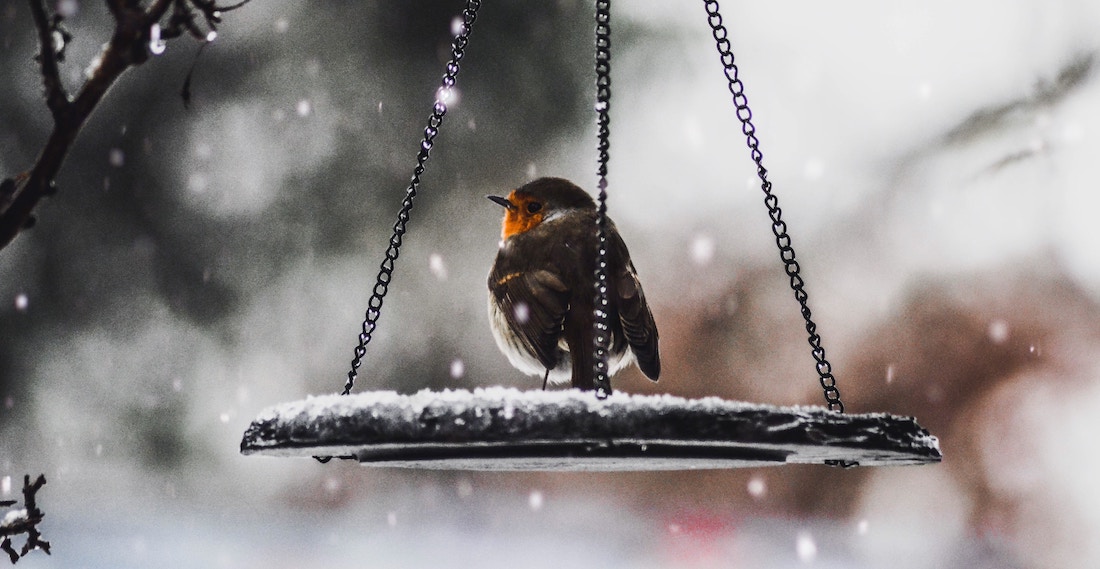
[508, 429]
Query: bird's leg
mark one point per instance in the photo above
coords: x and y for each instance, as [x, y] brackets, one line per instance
[545, 378]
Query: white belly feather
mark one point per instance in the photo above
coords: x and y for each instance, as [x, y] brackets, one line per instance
[527, 363]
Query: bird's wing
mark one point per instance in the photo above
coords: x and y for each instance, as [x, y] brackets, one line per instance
[534, 303]
[639, 328]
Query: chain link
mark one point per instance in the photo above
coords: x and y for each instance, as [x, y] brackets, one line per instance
[779, 227]
[385, 271]
[602, 336]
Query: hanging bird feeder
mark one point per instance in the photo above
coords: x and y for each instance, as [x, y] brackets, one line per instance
[508, 429]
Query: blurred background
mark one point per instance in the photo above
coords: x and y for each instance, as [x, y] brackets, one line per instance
[936, 163]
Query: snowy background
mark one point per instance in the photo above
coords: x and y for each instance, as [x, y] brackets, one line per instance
[936, 161]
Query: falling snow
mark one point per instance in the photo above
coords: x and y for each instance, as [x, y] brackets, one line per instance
[535, 500]
[116, 158]
[68, 8]
[437, 267]
[805, 547]
[21, 302]
[998, 331]
[457, 25]
[756, 487]
[522, 312]
[458, 369]
[303, 108]
[449, 96]
[702, 249]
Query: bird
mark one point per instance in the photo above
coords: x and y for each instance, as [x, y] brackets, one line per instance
[542, 294]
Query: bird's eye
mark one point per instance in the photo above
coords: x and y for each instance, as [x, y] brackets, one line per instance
[534, 207]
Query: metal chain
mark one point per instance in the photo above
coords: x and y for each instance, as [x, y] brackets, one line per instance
[385, 272]
[779, 228]
[602, 337]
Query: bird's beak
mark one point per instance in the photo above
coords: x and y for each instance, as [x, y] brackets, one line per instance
[504, 202]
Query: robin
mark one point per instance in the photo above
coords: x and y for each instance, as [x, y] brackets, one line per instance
[542, 288]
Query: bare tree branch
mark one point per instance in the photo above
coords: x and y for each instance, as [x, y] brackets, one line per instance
[116, 7]
[129, 47]
[24, 521]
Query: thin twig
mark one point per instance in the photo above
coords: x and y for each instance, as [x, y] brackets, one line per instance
[232, 6]
[56, 97]
[157, 10]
